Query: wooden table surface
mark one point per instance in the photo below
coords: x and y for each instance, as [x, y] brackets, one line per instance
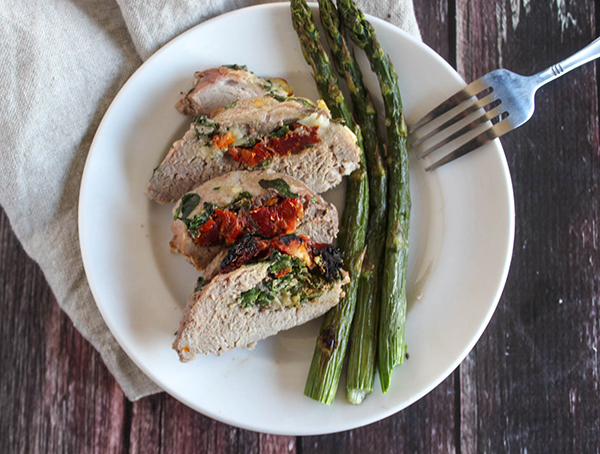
[530, 385]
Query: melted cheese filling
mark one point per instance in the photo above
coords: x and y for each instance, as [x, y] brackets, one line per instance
[315, 119]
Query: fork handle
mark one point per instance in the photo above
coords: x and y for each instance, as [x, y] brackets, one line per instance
[585, 55]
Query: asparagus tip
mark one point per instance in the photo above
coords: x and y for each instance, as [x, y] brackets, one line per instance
[386, 380]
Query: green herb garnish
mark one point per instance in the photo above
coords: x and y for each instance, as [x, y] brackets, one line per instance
[204, 127]
[255, 297]
[237, 67]
[201, 282]
[243, 200]
[242, 195]
[281, 98]
[294, 288]
[306, 102]
[188, 203]
[280, 185]
[267, 85]
[198, 221]
[263, 164]
[281, 262]
[247, 142]
[281, 132]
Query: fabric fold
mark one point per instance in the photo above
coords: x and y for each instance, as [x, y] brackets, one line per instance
[154, 23]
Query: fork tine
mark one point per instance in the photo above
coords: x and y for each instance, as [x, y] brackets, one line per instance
[500, 128]
[470, 90]
[482, 119]
[483, 102]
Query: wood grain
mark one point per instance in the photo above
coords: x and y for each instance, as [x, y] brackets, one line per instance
[57, 394]
[530, 385]
[437, 22]
[532, 381]
[426, 426]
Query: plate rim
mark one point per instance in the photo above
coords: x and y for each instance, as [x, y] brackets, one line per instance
[385, 413]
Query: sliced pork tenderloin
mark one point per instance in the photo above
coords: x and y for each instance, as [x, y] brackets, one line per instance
[319, 219]
[219, 87]
[214, 320]
[212, 144]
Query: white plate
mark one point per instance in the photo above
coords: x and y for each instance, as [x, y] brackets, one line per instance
[461, 237]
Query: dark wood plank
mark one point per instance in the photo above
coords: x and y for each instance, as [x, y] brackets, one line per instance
[438, 26]
[57, 395]
[275, 444]
[82, 405]
[428, 426]
[162, 424]
[467, 413]
[532, 381]
[22, 297]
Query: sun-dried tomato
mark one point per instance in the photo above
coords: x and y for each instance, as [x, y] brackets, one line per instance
[298, 246]
[208, 233]
[251, 156]
[253, 249]
[293, 142]
[250, 248]
[278, 219]
[230, 225]
[222, 141]
[280, 274]
[227, 226]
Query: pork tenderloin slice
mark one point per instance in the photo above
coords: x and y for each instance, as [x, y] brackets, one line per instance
[184, 168]
[199, 256]
[219, 87]
[214, 322]
[191, 161]
[320, 222]
[257, 117]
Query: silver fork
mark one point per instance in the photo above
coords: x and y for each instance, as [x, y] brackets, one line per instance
[507, 99]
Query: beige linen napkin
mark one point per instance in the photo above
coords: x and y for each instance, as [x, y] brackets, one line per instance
[61, 64]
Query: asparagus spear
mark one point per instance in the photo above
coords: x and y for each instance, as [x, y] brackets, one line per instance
[326, 366]
[363, 337]
[391, 348]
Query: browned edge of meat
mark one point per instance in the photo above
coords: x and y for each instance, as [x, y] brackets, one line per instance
[214, 321]
[219, 87]
[320, 222]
